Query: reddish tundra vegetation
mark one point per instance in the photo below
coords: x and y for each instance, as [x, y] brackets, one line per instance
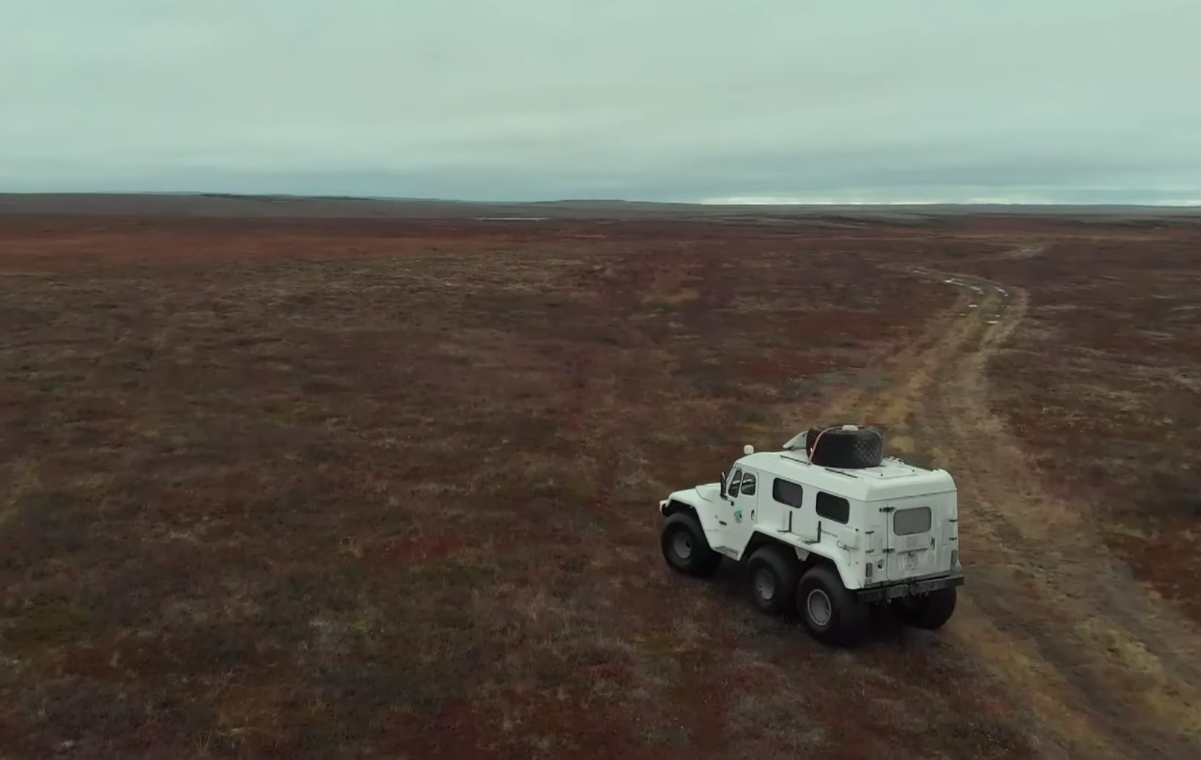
[387, 488]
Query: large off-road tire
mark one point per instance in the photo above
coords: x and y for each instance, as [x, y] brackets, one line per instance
[773, 572]
[848, 449]
[685, 547]
[830, 612]
[930, 611]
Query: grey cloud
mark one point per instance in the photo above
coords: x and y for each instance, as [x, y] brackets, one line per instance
[674, 100]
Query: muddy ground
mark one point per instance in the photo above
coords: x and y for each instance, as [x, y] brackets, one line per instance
[387, 488]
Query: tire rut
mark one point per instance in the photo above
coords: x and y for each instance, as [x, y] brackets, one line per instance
[1048, 610]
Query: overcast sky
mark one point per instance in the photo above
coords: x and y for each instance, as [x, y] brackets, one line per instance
[809, 100]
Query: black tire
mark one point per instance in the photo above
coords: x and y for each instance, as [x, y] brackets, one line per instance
[848, 449]
[930, 611]
[846, 619]
[685, 547]
[772, 574]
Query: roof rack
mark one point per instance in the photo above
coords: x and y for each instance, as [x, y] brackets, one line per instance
[840, 472]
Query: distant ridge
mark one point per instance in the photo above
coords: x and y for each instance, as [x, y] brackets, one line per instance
[332, 207]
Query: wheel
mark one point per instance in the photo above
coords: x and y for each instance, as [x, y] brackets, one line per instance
[930, 611]
[685, 548]
[773, 572]
[830, 612]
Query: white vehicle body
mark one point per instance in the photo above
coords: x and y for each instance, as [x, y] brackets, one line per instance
[890, 531]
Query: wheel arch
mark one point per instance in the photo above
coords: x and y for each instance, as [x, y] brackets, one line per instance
[805, 558]
[705, 519]
[675, 506]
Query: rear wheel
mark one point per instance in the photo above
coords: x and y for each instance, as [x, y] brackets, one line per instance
[685, 548]
[929, 611]
[830, 612]
[773, 574]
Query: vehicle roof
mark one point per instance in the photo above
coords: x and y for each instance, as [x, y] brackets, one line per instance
[892, 479]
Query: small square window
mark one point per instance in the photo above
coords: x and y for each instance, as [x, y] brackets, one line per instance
[787, 493]
[907, 522]
[833, 507]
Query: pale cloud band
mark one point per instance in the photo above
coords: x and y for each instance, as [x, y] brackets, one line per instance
[1073, 101]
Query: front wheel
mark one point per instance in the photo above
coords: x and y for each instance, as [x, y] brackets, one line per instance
[830, 612]
[685, 547]
[930, 611]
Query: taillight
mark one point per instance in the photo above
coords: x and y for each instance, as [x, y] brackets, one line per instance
[867, 571]
[955, 560]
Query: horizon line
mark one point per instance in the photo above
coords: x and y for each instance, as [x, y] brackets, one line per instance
[749, 201]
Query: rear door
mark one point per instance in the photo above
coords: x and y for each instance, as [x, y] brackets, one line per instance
[914, 533]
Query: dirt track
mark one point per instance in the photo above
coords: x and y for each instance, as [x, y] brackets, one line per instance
[1104, 669]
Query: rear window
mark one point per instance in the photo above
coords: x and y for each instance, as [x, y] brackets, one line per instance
[787, 493]
[833, 507]
[906, 522]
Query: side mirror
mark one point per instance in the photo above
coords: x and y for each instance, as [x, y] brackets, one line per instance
[748, 449]
[723, 485]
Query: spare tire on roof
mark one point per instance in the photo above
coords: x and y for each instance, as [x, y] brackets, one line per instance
[845, 447]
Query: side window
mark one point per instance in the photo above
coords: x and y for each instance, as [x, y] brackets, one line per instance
[735, 479]
[748, 485]
[833, 507]
[787, 493]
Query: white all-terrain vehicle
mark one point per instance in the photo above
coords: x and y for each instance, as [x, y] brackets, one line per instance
[826, 528]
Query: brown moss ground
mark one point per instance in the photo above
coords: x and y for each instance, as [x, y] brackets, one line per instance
[370, 488]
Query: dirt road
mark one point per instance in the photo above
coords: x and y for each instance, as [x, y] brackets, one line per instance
[1105, 670]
